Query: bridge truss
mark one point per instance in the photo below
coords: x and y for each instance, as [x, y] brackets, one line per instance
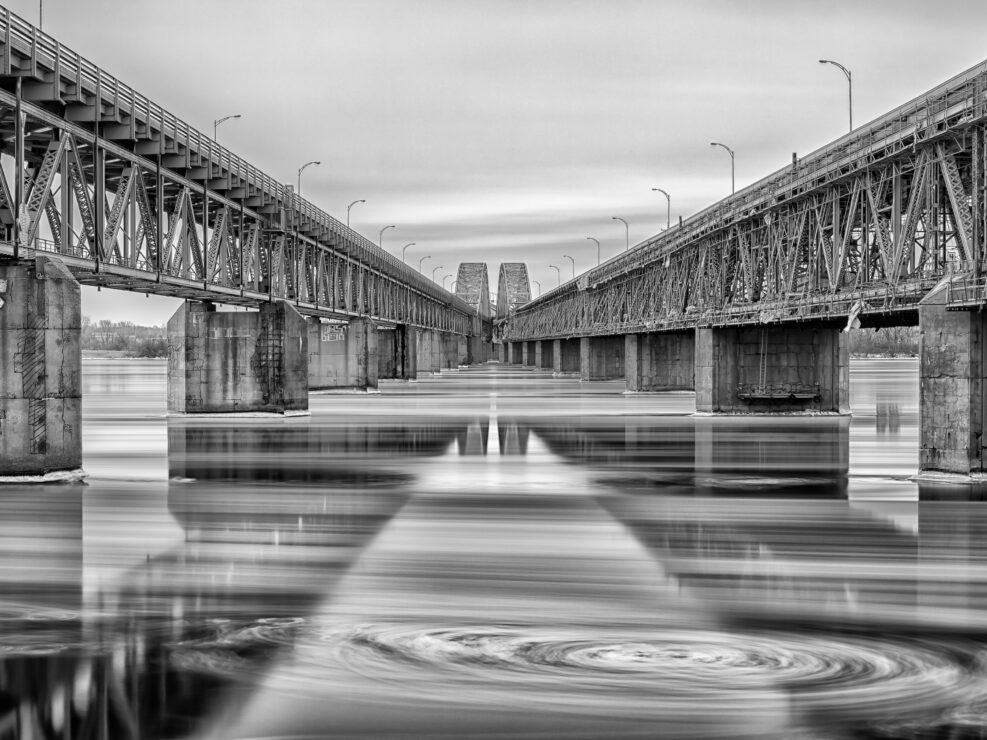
[131, 197]
[868, 224]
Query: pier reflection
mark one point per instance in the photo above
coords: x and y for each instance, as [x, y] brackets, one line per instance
[160, 645]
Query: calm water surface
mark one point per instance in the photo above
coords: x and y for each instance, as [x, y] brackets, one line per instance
[494, 553]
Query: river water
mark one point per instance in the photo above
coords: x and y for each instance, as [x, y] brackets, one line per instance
[493, 553]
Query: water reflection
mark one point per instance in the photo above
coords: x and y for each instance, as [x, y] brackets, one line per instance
[494, 554]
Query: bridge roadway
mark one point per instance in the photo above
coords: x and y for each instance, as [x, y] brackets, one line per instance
[101, 186]
[745, 301]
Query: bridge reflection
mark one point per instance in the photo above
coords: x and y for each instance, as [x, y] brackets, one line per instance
[178, 639]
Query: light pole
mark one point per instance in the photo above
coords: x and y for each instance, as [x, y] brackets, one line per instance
[215, 124]
[627, 232]
[539, 286]
[597, 248]
[668, 213]
[439, 267]
[426, 257]
[446, 277]
[380, 236]
[849, 82]
[573, 265]
[300, 171]
[733, 187]
[405, 249]
[558, 275]
[348, 210]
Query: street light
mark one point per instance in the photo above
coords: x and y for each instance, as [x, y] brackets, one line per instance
[405, 249]
[558, 275]
[627, 232]
[348, 210]
[539, 286]
[573, 265]
[597, 248]
[444, 280]
[733, 187]
[434, 269]
[849, 82]
[380, 236]
[668, 198]
[215, 124]
[426, 257]
[300, 171]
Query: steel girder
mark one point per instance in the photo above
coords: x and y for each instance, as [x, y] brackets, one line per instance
[133, 198]
[866, 225]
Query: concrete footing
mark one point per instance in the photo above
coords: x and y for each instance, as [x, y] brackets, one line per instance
[343, 355]
[601, 358]
[40, 371]
[660, 362]
[951, 388]
[237, 362]
[780, 368]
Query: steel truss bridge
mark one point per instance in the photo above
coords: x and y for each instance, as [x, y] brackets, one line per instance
[866, 225]
[131, 197]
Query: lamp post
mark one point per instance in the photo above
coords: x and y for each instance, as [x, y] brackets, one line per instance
[592, 239]
[668, 213]
[439, 267]
[849, 82]
[426, 257]
[380, 236]
[733, 187]
[539, 286]
[348, 210]
[627, 232]
[573, 265]
[558, 275]
[405, 249]
[300, 171]
[446, 277]
[215, 124]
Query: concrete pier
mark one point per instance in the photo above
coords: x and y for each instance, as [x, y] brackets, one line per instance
[396, 352]
[951, 388]
[40, 369]
[565, 356]
[237, 362]
[343, 355]
[779, 368]
[601, 358]
[660, 362]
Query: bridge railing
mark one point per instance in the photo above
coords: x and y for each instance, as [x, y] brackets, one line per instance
[46, 51]
[958, 101]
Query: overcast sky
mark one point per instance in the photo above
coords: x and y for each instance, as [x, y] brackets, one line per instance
[503, 131]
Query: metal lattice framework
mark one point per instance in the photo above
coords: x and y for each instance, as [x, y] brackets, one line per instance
[473, 287]
[513, 288]
[868, 224]
[133, 198]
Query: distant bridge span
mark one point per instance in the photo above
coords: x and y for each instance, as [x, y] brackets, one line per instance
[129, 196]
[868, 224]
[744, 302]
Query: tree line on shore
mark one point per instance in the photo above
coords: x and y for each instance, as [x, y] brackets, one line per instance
[124, 338]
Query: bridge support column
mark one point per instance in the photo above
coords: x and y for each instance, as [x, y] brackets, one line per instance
[952, 375]
[387, 352]
[526, 353]
[601, 358]
[343, 355]
[235, 362]
[407, 352]
[450, 350]
[539, 353]
[40, 368]
[546, 360]
[565, 356]
[772, 369]
[660, 362]
[517, 349]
